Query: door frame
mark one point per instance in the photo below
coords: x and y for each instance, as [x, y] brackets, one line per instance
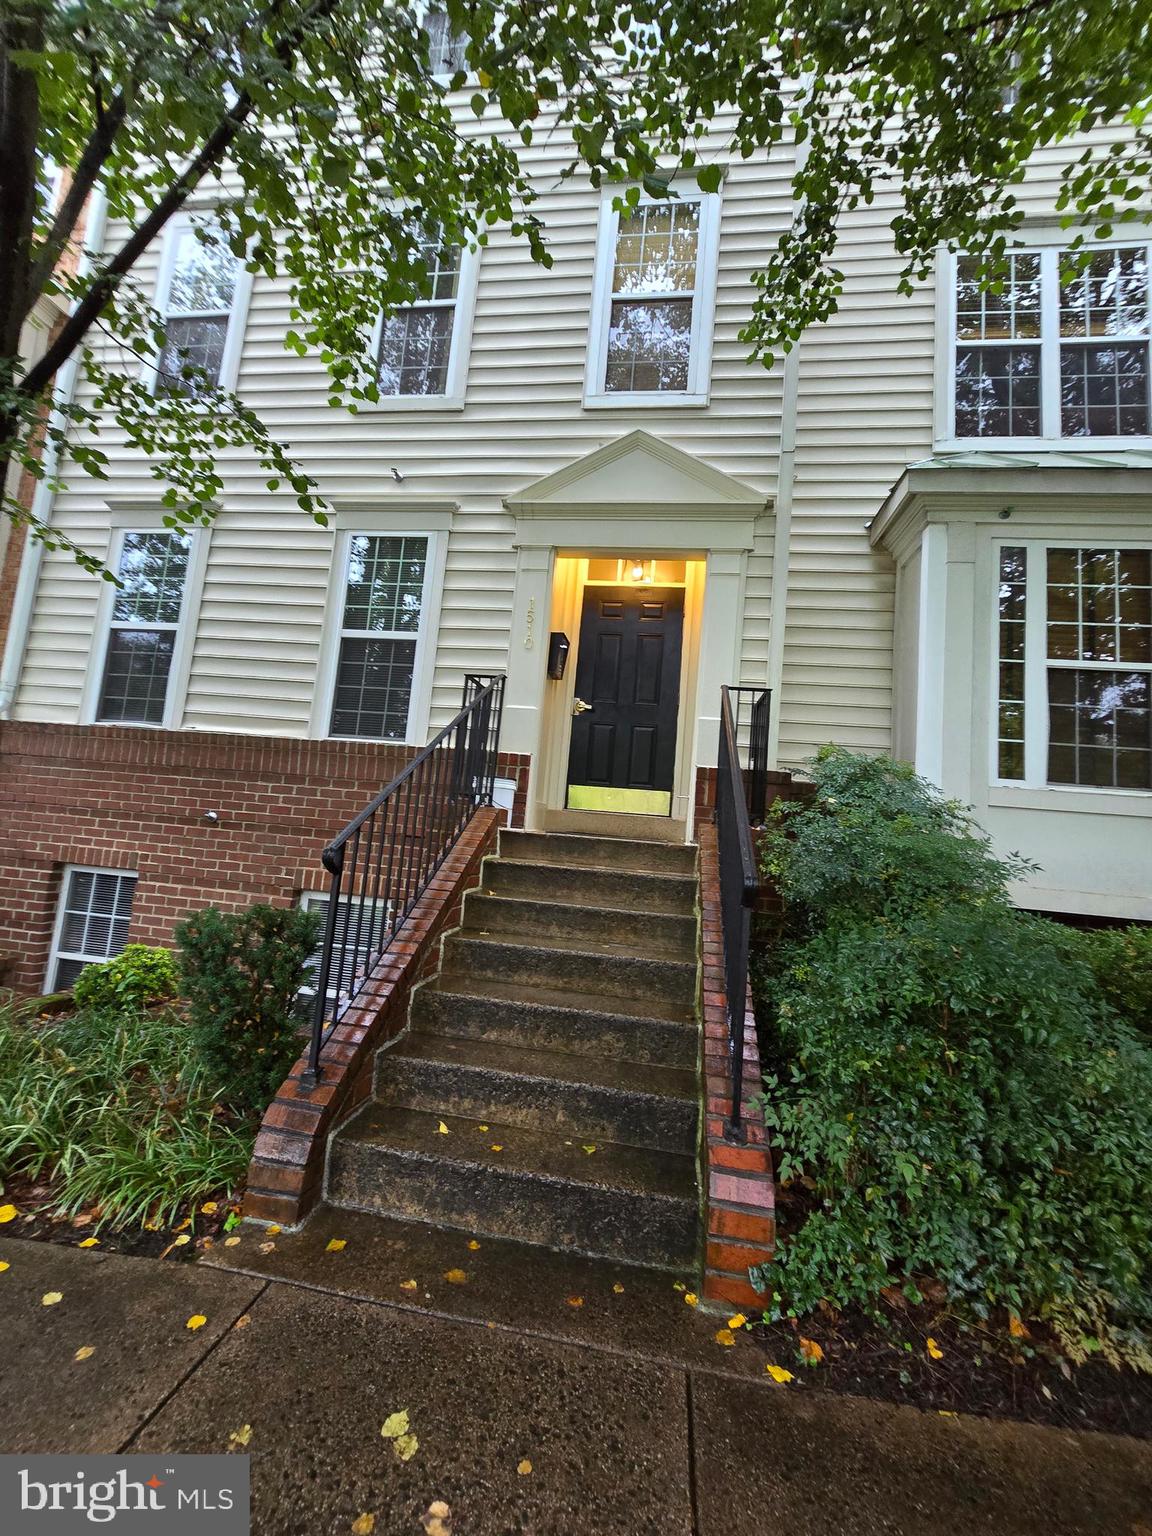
[569, 579]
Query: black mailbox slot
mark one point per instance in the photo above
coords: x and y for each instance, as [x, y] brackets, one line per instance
[558, 647]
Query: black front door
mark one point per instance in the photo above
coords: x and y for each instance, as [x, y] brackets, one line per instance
[623, 753]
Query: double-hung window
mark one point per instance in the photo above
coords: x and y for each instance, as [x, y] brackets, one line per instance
[446, 49]
[1074, 666]
[1048, 357]
[202, 296]
[144, 628]
[422, 348]
[384, 605]
[91, 922]
[651, 335]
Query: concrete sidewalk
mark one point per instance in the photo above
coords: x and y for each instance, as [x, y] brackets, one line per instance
[609, 1422]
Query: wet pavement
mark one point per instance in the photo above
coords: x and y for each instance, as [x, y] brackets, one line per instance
[525, 1413]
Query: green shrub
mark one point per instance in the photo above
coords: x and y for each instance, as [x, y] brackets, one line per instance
[950, 1089]
[1120, 960]
[242, 974]
[114, 1110]
[136, 977]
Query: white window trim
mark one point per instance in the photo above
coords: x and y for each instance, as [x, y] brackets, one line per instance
[237, 315]
[424, 667]
[66, 873]
[1036, 665]
[1047, 241]
[596, 397]
[455, 393]
[185, 627]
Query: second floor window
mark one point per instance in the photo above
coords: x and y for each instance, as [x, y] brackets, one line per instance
[415, 351]
[1075, 666]
[652, 309]
[1044, 358]
[446, 49]
[144, 627]
[198, 299]
[384, 603]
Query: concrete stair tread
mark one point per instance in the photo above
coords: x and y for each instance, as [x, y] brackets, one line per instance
[578, 945]
[460, 984]
[670, 892]
[624, 1077]
[584, 851]
[526, 1153]
[665, 935]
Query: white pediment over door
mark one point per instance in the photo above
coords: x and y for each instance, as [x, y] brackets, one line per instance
[638, 475]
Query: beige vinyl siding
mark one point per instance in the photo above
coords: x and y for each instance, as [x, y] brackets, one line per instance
[757, 623]
[257, 646]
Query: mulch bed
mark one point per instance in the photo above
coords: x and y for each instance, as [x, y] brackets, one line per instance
[978, 1372]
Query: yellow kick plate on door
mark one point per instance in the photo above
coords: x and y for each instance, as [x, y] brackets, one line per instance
[644, 802]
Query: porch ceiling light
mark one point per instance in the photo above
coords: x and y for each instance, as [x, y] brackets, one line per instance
[637, 570]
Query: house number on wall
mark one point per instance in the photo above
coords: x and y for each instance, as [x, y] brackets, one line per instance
[529, 622]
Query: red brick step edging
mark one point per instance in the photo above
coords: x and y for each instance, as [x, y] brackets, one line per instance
[740, 1195]
[286, 1173]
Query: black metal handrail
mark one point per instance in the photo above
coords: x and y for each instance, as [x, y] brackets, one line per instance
[385, 858]
[739, 797]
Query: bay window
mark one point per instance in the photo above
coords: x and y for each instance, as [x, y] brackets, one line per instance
[1074, 666]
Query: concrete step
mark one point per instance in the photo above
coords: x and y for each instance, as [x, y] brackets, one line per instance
[606, 853]
[506, 1014]
[556, 1092]
[668, 934]
[589, 887]
[579, 965]
[542, 1188]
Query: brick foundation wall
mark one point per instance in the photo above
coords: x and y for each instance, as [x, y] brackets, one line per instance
[286, 1175]
[121, 797]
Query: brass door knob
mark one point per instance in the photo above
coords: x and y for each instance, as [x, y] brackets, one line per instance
[579, 706]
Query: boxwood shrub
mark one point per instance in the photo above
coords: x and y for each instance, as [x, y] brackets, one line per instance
[949, 1085]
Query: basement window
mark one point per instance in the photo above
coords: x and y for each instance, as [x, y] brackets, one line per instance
[363, 928]
[91, 922]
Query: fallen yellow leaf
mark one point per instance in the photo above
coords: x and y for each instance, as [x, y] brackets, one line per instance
[443, 1129]
[618, 1288]
[778, 1373]
[934, 1350]
[407, 1285]
[726, 1337]
[209, 1208]
[811, 1351]
[336, 1245]
[497, 1146]
[240, 1436]
[231, 1242]
[473, 1245]
[242, 1321]
[395, 1425]
[678, 1285]
[4, 1264]
[1015, 1327]
[691, 1299]
[197, 1320]
[50, 1298]
[590, 1150]
[456, 1277]
[524, 1468]
[187, 1222]
[483, 1127]
[575, 1301]
[946, 1413]
[267, 1247]
[178, 1242]
[273, 1230]
[85, 1352]
[364, 1525]
[437, 1519]
[8, 1213]
[406, 1447]
[738, 1321]
[89, 1242]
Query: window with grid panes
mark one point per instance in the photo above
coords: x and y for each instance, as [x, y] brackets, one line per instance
[446, 49]
[92, 923]
[1051, 353]
[654, 279]
[415, 348]
[380, 626]
[197, 313]
[1075, 666]
[153, 572]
